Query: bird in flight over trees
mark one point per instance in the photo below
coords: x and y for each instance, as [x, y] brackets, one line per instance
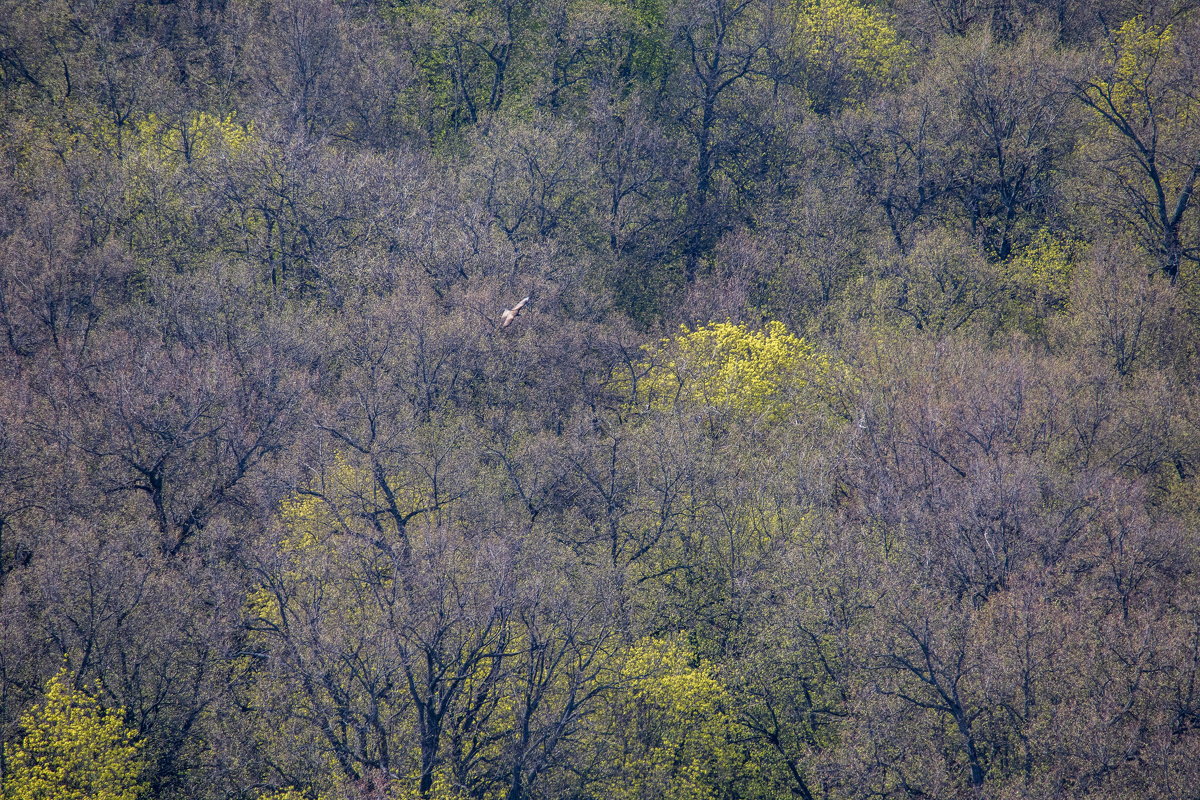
[511, 313]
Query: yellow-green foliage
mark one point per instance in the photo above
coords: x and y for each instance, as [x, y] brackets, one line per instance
[203, 136]
[848, 50]
[172, 171]
[310, 524]
[284, 794]
[73, 749]
[1041, 273]
[309, 518]
[335, 593]
[670, 728]
[318, 528]
[345, 494]
[1139, 46]
[767, 373]
[440, 790]
[1140, 86]
[158, 151]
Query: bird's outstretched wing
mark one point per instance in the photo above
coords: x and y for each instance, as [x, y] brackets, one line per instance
[511, 313]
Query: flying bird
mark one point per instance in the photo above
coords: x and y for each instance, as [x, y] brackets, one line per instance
[511, 313]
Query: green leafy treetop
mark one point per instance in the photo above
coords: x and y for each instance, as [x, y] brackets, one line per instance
[848, 51]
[73, 749]
[767, 374]
[668, 734]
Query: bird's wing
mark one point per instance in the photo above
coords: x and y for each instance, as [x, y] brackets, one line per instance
[511, 313]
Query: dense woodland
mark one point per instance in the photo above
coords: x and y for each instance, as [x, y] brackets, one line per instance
[848, 447]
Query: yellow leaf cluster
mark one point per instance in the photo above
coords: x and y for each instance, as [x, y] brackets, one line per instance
[848, 49]
[73, 749]
[201, 137]
[284, 794]
[345, 493]
[1138, 47]
[440, 790]
[673, 724]
[728, 367]
[1042, 272]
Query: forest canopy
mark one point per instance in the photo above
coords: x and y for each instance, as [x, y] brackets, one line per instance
[845, 447]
